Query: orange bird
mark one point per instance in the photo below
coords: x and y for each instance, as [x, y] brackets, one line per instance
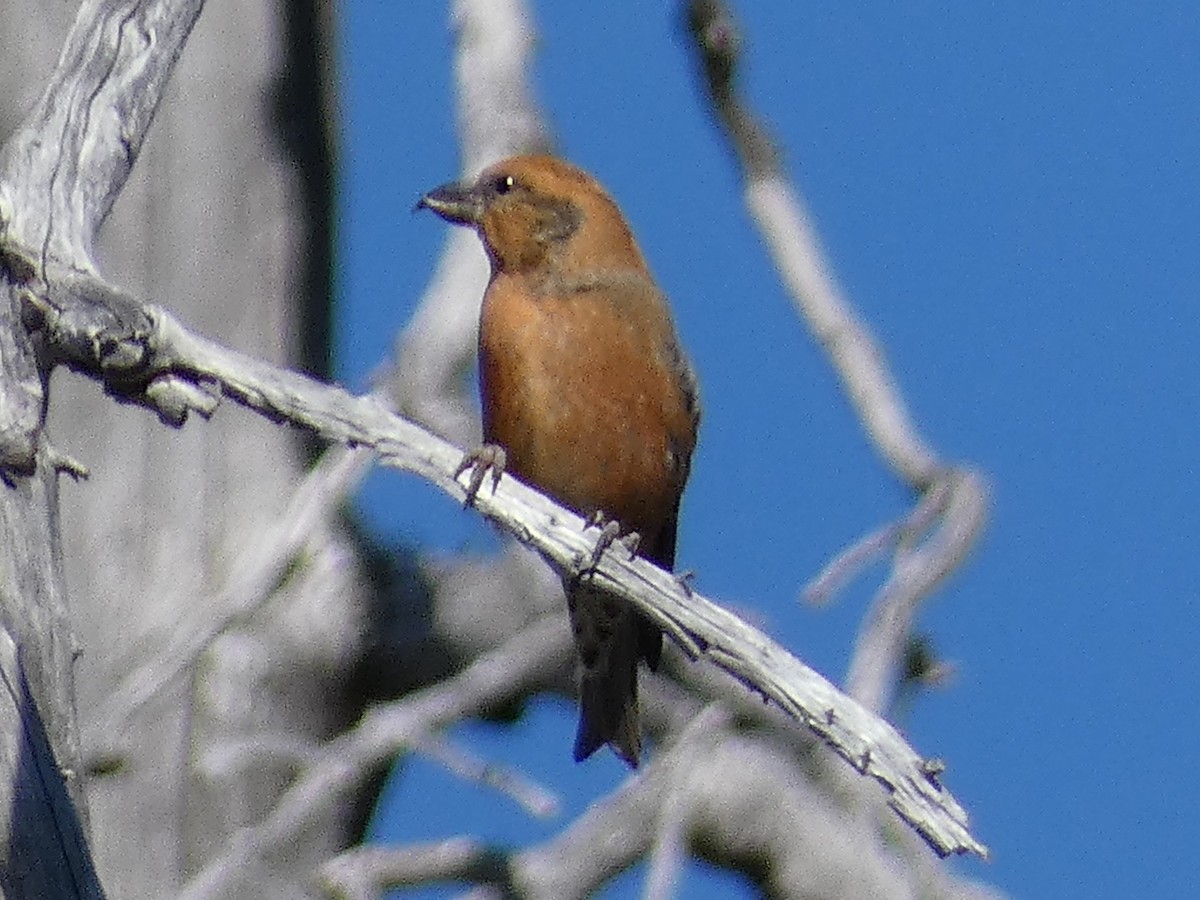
[586, 396]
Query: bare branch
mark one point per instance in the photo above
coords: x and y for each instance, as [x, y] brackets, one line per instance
[857, 359]
[786, 228]
[536, 800]
[908, 530]
[512, 669]
[752, 810]
[75, 321]
[669, 850]
[916, 572]
[362, 873]
[62, 170]
[614, 832]
[741, 803]
[853, 351]
[497, 115]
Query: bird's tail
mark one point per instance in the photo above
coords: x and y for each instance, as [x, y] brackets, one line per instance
[609, 639]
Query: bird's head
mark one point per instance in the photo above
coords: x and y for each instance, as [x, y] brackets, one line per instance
[538, 211]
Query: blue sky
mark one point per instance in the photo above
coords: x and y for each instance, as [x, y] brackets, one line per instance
[1009, 196]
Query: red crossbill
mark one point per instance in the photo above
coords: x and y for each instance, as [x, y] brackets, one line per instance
[586, 390]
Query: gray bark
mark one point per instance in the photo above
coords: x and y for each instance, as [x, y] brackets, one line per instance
[216, 220]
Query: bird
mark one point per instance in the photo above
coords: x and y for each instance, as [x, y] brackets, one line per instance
[586, 395]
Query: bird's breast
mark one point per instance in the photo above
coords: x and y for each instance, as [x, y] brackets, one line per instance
[580, 390]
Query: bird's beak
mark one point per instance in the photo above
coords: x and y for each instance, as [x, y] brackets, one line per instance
[459, 203]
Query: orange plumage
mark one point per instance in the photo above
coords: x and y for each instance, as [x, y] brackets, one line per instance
[586, 390]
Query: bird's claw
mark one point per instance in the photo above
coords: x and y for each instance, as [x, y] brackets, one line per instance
[610, 530]
[684, 580]
[481, 460]
[631, 542]
[610, 533]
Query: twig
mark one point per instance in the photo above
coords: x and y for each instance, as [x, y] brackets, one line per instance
[669, 850]
[908, 530]
[530, 796]
[915, 574]
[364, 872]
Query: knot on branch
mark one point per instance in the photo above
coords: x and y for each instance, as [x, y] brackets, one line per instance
[99, 330]
[90, 326]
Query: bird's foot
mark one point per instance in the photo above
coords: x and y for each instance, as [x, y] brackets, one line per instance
[610, 533]
[684, 580]
[631, 542]
[481, 460]
[610, 530]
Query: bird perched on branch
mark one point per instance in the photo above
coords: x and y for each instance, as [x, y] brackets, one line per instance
[586, 396]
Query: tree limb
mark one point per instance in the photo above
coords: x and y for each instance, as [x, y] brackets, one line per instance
[958, 493]
[510, 670]
[734, 800]
[63, 169]
[147, 343]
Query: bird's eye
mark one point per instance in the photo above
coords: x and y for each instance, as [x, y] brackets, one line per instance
[504, 184]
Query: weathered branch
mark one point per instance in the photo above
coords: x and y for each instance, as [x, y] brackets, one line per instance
[676, 812]
[507, 672]
[536, 800]
[734, 800]
[62, 170]
[920, 565]
[957, 493]
[59, 175]
[74, 319]
[364, 872]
